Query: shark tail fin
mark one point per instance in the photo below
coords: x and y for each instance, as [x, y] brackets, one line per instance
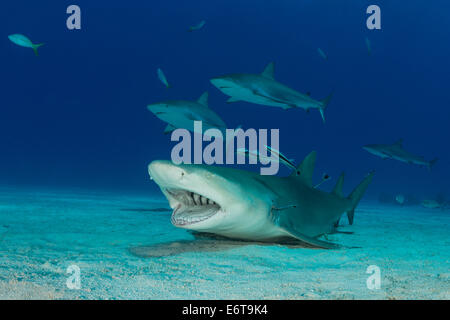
[432, 163]
[324, 106]
[36, 47]
[357, 194]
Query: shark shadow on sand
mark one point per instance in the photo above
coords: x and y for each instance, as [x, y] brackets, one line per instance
[146, 210]
[205, 242]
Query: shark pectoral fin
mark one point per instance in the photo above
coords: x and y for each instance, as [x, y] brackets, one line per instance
[288, 106]
[312, 241]
[232, 99]
[169, 129]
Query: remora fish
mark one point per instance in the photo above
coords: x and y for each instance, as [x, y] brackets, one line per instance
[23, 41]
[263, 89]
[396, 151]
[283, 159]
[198, 26]
[254, 154]
[162, 78]
[182, 114]
[245, 205]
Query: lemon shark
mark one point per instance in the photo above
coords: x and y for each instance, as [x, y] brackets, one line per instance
[396, 151]
[182, 114]
[247, 206]
[263, 89]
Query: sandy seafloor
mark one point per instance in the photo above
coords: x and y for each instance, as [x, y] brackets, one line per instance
[41, 234]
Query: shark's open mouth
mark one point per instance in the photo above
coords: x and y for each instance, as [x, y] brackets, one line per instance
[190, 207]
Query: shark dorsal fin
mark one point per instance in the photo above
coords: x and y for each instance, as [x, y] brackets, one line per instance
[305, 170]
[203, 100]
[339, 185]
[269, 71]
[399, 143]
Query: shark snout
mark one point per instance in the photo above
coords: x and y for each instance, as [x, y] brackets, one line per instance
[222, 82]
[157, 107]
[165, 173]
[216, 81]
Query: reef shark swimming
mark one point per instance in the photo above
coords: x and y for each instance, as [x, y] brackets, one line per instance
[263, 89]
[182, 114]
[396, 151]
[244, 205]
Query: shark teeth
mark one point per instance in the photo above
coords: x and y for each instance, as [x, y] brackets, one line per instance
[191, 208]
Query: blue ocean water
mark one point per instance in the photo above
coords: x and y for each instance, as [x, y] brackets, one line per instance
[74, 120]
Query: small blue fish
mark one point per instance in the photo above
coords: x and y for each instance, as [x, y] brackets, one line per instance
[23, 41]
[322, 54]
[163, 78]
[198, 26]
